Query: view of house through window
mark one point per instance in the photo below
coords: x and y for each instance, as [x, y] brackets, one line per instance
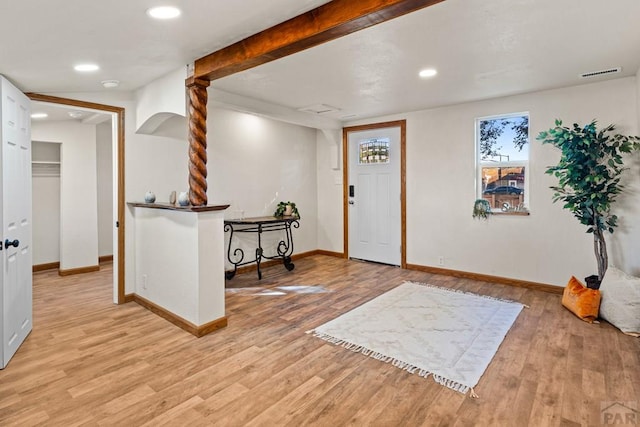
[503, 157]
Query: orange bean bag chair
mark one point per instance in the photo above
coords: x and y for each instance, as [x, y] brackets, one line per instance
[581, 301]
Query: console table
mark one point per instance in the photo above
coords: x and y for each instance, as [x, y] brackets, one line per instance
[258, 226]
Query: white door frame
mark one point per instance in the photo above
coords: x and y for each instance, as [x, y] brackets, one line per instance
[119, 296]
[402, 124]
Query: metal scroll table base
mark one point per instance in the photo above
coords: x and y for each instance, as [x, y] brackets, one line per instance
[258, 226]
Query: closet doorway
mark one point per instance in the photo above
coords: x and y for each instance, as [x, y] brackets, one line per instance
[78, 160]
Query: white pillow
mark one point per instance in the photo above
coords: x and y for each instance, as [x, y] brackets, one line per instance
[620, 303]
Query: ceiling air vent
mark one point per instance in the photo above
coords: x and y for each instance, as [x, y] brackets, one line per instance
[600, 72]
[319, 109]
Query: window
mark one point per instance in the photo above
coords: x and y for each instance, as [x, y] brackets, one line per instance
[374, 151]
[502, 145]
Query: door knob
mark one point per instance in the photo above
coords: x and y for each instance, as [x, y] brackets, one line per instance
[8, 243]
[351, 202]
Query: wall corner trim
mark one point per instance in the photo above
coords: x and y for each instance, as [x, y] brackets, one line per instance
[197, 331]
[80, 270]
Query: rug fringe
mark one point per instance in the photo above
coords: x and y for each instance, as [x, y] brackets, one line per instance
[466, 293]
[396, 363]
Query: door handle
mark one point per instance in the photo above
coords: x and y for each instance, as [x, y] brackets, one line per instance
[351, 202]
[8, 243]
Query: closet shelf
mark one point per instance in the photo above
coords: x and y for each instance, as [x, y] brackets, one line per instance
[45, 169]
[44, 162]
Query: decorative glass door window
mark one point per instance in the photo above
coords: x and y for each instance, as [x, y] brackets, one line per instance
[373, 151]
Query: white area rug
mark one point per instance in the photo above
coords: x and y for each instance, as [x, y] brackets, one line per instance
[427, 330]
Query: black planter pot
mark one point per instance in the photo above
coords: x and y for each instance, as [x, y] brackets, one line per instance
[593, 282]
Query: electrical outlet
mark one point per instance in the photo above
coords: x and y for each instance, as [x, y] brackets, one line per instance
[441, 260]
[144, 281]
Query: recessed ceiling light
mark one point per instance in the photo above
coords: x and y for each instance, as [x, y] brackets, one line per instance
[75, 114]
[39, 115]
[164, 12]
[428, 72]
[110, 83]
[86, 67]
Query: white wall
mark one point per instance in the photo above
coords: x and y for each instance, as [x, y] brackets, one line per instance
[255, 162]
[78, 201]
[625, 242]
[188, 281]
[329, 188]
[151, 163]
[549, 245]
[638, 95]
[160, 100]
[46, 203]
[104, 170]
[46, 219]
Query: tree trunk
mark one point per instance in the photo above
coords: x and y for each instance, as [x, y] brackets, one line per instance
[600, 249]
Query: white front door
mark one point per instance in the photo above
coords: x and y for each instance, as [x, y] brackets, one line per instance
[15, 188]
[374, 195]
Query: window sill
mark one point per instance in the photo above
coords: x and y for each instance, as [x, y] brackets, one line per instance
[512, 213]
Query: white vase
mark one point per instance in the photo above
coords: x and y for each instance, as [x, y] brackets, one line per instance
[288, 210]
[183, 198]
[149, 197]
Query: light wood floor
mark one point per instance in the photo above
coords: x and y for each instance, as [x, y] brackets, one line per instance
[89, 362]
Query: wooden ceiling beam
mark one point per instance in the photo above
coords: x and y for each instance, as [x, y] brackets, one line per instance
[328, 22]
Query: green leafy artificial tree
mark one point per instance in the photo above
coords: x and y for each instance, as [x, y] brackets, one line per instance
[589, 177]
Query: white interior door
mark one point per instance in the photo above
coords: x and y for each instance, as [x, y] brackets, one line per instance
[374, 195]
[16, 219]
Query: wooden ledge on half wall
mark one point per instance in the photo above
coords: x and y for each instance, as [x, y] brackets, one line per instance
[169, 206]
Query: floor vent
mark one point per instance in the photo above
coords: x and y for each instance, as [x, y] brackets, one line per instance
[600, 72]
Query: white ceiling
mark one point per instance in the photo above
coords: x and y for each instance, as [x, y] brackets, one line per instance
[43, 39]
[482, 49]
[58, 112]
